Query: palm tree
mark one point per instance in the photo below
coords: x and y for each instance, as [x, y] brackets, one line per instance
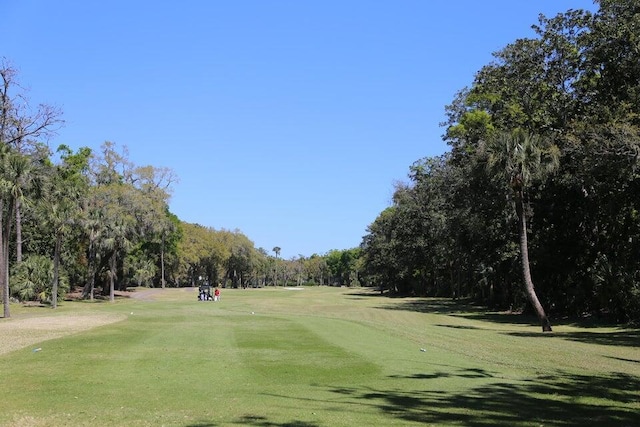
[16, 173]
[63, 209]
[519, 158]
[114, 207]
[67, 187]
[5, 218]
[93, 230]
[277, 251]
[114, 243]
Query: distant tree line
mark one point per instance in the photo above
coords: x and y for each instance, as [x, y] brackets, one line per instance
[541, 185]
[97, 223]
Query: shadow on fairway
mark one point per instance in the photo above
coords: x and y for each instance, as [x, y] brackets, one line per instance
[555, 400]
[251, 420]
[433, 305]
[460, 308]
[624, 359]
[466, 309]
[457, 326]
[628, 338]
[364, 293]
[202, 424]
[468, 373]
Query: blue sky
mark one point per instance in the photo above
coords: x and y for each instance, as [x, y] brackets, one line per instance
[289, 120]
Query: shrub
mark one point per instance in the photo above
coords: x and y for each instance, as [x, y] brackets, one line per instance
[32, 279]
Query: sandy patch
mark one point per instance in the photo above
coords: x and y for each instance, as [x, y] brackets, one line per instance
[19, 333]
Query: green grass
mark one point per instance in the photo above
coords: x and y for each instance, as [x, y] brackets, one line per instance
[318, 357]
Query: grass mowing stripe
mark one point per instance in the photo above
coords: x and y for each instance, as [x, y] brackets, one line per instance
[284, 351]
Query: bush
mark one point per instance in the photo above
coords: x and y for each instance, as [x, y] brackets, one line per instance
[32, 279]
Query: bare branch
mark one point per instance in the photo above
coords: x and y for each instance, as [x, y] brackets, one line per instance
[20, 124]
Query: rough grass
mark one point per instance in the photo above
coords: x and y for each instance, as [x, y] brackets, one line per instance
[316, 357]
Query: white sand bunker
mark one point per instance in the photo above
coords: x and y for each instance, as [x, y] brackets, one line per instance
[19, 333]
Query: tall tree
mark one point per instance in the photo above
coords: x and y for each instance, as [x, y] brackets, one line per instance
[154, 184]
[15, 171]
[276, 250]
[67, 187]
[5, 227]
[20, 124]
[240, 262]
[21, 127]
[518, 158]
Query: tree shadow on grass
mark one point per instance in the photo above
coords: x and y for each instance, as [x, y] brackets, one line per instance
[623, 338]
[468, 327]
[363, 293]
[465, 309]
[558, 399]
[252, 420]
[434, 305]
[623, 359]
[257, 420]
[468, 373]
[462, 309]
[553, 400]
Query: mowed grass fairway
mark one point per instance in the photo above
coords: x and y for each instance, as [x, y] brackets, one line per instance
[313, 357]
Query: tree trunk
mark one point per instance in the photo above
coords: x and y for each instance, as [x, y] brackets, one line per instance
[18, 232]
[526, 271]
[56, 271]
[163, 284]
[112, 277]
[88, 289]
[3, 276]
[5, 233]
[275, 278]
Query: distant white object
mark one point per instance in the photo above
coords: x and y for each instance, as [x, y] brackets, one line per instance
[253, 312]
[35, 350]
[423, 349]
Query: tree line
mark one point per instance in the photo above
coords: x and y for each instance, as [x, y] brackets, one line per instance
[98, 223]
[536, 205]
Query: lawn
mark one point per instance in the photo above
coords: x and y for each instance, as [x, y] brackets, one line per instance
[310, 357]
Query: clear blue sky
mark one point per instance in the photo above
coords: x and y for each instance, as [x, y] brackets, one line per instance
[289, 120]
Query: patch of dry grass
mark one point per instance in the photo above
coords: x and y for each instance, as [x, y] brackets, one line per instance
[23, 332]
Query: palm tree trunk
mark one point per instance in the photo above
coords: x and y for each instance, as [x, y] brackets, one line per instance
[5, 233]
[162, 263]
[89, 287]
[56, 272]
[112, 277]
[526, 271]
[3, 264]
[18, 232]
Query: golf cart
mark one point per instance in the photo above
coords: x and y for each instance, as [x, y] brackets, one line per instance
[204, 293]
